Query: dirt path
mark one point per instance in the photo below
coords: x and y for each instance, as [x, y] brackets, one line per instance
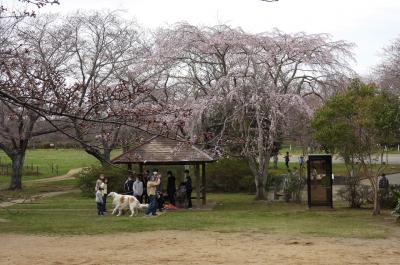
[173, 247]
[70, 174]
[36, 197]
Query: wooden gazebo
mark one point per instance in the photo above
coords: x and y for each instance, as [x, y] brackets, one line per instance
[160, 150]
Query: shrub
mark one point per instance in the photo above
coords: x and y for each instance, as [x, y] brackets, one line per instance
[396, 211]
[389, 198]
[356, 195]
[293, 184]
[234, 175]
[88, 176]
[230, 175]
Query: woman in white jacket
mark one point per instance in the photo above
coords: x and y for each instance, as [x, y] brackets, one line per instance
[138, 189]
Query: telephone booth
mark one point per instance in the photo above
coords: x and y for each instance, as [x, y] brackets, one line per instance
[319, 181]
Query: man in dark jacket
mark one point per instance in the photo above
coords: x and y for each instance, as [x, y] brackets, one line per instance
[128, 186]
[171, 188]
[188, 185]
[383, 185]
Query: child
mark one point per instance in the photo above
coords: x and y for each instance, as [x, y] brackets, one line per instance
[103, 185]
[99, 202]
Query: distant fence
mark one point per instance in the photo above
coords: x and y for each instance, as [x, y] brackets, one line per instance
[31, 170]
[54, 169]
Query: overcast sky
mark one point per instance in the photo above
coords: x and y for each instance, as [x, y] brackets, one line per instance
[370, 24]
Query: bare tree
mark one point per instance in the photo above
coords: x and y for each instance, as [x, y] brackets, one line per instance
[112, 77]
[103, 47]
[25, 11]
[388, 71]
[118, 81]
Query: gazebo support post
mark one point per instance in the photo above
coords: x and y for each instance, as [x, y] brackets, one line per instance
[197, 175]
[130, 166]
[141, 168]
[203, 183]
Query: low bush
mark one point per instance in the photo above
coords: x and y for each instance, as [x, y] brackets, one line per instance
[230, 175]
[234, 175]
[88, 176]
[389, 198]
[356, 195]
[293, 186]
[396, 211]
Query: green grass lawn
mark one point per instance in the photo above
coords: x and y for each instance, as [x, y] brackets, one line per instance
[340, 169]
[64, 159]
[73, 214]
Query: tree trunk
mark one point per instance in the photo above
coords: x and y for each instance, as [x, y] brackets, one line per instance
[260, 182]
[260, 178]
[300, 186]
[375, 188]
[377, 205]
[106, 158]
[17, 166]
[103, 157]
[276, 161]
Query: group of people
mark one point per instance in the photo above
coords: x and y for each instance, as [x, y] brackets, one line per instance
[286, 158]
[148, 188]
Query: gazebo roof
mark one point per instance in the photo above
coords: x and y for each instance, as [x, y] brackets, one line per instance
[162, 150]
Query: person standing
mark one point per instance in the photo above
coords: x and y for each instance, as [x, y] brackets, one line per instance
[146, 178]
[383, 184]
[301, 160]
[99, 181]
[287, 159]
[128, 186]
[99, 202]
[189, 189]
[171, 188]
[138, 189]
[160, 196]
[152, 185]
[103, 187]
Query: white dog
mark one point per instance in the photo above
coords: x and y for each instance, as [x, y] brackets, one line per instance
[122, 202]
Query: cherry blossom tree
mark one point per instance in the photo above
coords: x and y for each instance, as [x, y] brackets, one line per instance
[24, 11]
[31, 77]
[248, 84]
[388, 71]
[215, 85]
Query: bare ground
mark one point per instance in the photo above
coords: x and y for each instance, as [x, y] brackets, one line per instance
[70, 174]
[36, 197]
[177, 247]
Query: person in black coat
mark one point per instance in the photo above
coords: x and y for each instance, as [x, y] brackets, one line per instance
[128, 186]
[171, 188]
[188, 185]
